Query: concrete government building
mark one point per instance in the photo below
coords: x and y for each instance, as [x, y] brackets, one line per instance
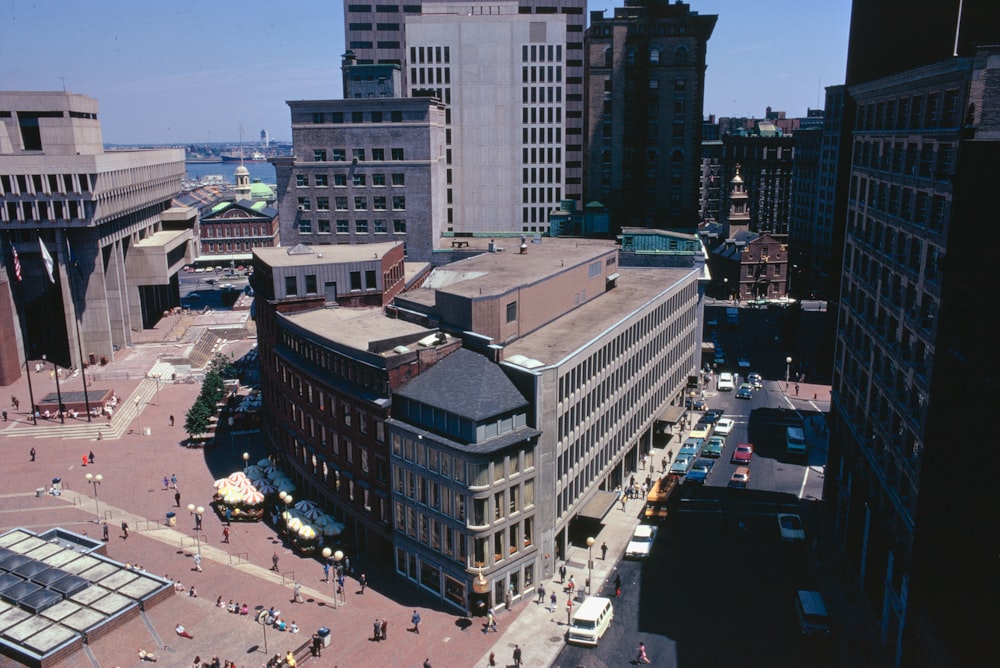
[105, 220]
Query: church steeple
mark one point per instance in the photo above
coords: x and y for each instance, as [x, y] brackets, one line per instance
[739, 206]
[242, 183]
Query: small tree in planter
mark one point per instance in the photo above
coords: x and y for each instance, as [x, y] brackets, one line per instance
[196, 421]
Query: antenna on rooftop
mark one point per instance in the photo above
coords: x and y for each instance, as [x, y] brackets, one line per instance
[63, 79]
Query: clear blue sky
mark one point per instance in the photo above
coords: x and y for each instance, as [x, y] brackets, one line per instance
[180, 71]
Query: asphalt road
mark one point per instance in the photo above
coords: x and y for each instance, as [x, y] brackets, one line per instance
[205, 289]
[708, 596]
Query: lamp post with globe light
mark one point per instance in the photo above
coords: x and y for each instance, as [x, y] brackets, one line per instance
[788, 369]
[95, 481]
[338, 557]
[137, 420]
[197, 511]
[590, 561]
[246, 461]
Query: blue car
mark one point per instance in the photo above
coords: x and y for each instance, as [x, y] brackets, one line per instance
[699, 471]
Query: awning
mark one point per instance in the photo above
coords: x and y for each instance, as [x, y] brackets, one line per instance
[673, 414]
[599, 505]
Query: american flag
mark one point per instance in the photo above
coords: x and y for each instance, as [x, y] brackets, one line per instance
[17, 263]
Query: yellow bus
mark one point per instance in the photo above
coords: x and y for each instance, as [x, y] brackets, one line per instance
[658, 499]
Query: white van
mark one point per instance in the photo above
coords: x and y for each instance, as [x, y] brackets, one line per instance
[813, 617]
[726, 382]
[590, 621]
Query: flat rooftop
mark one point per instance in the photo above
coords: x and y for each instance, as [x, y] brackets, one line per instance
[331, 254]
[355, 327]
[635, 287]
[498, 273]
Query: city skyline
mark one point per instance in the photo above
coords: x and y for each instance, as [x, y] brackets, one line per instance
[208, 70]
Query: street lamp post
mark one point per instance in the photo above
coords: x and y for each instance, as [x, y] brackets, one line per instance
[590, 561]
[137, 420]
[197, 512]
[95, 481]
[232, 442]
[338, 557]
[788, 369]
[156, 377]
[246, 461]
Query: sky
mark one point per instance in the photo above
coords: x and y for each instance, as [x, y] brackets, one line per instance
[189, 71]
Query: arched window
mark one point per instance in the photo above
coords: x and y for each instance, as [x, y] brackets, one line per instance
[681, 55]
[609, 57]
[654, 56]
[677, 155]
[630, 57]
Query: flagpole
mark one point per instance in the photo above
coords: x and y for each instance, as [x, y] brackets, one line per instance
[49, 265]
[76, 323]
[18, 301]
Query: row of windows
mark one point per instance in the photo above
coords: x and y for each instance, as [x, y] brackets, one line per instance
[217, 230]
[44, 184]
[541, 74]
[923, 159]
[232, 247]
[916, 207]
[536, 195]
[368, 44]
[430, 54]
[51, 210]
[430, 75]
[535, 135]
[361, 226]
[935, 110]
[658, 28]
[361, 202]
[378, 180]
[541, 53]
[349, 491]
[355, 117]
[357, 154]
[354, 372]
[383, 9]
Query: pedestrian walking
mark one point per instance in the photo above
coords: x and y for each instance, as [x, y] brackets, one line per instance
[642, 658]
[297, 590]
[670, 455]
[663, 465]
[171, 420]
[624, 501]
[492, 660]
[427, 663]
[517, 656]
[177, 498]
[197, 562]
[32, 453]
[415, 620]
[225, 534]
[274, 562]
[326, 571]
[90, 457]
[229, 516]
[377, 632]
[507, 600]
[541, 594]
[5, 415]
[364, 582]
[385, 629]
[552, 602]
[618, 586]
[173, 480]
[604, 551]
[84, 460]
[570, 586]
[491, 621]
[166, 482]
[124, 530]
[562, 573]
[105, 530]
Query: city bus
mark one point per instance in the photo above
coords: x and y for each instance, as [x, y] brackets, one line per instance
[658, 499]
[795, 441]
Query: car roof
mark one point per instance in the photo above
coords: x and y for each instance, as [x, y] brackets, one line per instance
[742, 470]
[644, 530]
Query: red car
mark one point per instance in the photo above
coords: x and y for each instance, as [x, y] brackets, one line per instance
[743, 454]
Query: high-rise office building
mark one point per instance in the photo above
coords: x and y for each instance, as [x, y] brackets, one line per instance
[98, 249]
[377, 34]
[916, 525]
[645, 71]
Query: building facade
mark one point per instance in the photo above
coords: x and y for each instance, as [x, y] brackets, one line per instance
[645, 70]
[377, 34]
[230, 231]
[803, 215]
[764, 159]
[103, 219]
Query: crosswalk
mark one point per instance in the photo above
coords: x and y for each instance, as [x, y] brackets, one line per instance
[80, 429]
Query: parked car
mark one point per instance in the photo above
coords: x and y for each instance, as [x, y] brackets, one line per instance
[755, 379]
[701, 430]
[724, 426]
[695, 404]
[726, 382]
[791, 527]
[745, 391]
[742, 454]
[740, 478]
[699, 471]
[641, 543]
[714, 447]
[714, 414]
[691, 447]
[682, 464]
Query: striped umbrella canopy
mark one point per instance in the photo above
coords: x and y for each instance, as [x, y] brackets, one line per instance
[253, 497]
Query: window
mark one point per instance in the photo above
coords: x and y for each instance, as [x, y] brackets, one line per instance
[379, 226]
[304, 204]
[360, 203]
[323, 226]
[361, 226]
[321, 180]
[397, 154]
[343, 226]
[339, 155]
[291, 286]
[355, 283]
[302, 180]
[305, 227]
[319, 155]
[398, 180]
[378, 154]
[310, 284]
[399, 226]
[654, 56]
[378, 203]
[512, 312]
[359, 179]
[378, 180]
[340, 180]
[340, 203]
[399, 202]
[322, 203]
[359, 154]
[370, 283]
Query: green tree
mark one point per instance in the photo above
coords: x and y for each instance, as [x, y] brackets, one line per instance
[196, 421]
[213, 388]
